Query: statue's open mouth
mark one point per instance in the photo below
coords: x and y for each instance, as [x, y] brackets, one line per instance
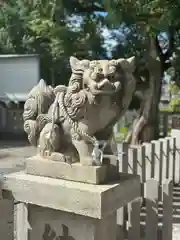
[102, 90]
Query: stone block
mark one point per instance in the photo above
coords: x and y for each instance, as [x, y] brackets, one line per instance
[73, 172]
[95, 201]
[48, 224]
[6, 219]
[67, 210]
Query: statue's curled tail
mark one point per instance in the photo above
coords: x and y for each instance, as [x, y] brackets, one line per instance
[36, 108]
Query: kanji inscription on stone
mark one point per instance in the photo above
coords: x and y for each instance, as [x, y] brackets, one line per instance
[50, 234]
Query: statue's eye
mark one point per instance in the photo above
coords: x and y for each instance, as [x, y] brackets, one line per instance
[93, 62]
[98, 70]
[111, 77]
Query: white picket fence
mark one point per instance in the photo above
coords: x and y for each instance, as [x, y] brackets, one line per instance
[158, 164]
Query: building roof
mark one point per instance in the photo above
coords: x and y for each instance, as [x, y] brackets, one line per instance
[16, 97]
[18, 55]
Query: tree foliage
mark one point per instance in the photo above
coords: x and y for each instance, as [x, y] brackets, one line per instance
[56, 29]
[51, 29]
[146, 24]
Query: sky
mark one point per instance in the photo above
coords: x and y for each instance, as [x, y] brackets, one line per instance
[109, 43]
[103, 14]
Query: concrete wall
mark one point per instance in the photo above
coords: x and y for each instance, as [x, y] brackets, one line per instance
[18, 73]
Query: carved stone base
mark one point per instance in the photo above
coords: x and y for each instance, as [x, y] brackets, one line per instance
[65, 210]
[46, 222]
[74, 172]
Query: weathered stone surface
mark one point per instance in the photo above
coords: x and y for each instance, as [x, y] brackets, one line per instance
[96, 201]
[74, 123]
[6, 219]
[74, 172]
[45, 222]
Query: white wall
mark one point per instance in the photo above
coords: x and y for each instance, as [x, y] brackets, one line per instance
[18, 74]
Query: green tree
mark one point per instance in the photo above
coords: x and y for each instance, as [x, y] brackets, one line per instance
[57, 29]
[46, 27]
[142, 23]
[145, 21]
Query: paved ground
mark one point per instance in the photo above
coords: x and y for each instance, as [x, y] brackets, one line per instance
[13, 155]
[12, 158]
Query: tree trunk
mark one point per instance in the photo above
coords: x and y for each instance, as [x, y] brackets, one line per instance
[146, 125]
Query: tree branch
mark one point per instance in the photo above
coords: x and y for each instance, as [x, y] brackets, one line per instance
[169, 53]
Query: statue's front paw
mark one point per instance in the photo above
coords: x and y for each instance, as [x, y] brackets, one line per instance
[89, 161]
[56, 156]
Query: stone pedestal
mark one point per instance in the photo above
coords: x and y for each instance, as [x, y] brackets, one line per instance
[6, 219]
[66, 210]
[74, 172]
[48, 224]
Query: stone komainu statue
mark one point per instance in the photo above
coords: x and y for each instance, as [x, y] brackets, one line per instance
[67, 123]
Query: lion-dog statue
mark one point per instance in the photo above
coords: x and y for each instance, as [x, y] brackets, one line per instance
[68, 123]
